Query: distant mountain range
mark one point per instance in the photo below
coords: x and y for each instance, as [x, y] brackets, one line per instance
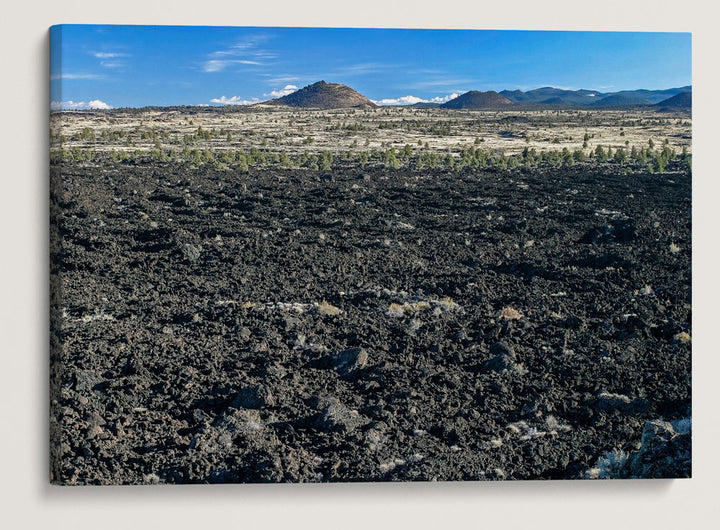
[592, 98]
[323, 95]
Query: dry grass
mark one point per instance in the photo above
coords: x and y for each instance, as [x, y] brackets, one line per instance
[682, 337]
[395, 310]
[325, 308]
[416, 307]
[508, 313]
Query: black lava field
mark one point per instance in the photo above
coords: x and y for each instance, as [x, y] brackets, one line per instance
[368, 324]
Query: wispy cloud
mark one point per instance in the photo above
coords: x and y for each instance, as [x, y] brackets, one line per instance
[67, 75]
[111, 59]
[365, 68]
[356, 70]
[335, 74]
[289, 89]
[281, 79]
[427, 71]
[234, 100]
[411, 100]
[246, 52]
[217, 65]
[94, 104]
[444, 82]
[108, 55]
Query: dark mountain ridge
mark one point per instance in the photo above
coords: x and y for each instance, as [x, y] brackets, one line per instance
[682, 101]
[323, 95]
[478, 100]
[595, 98]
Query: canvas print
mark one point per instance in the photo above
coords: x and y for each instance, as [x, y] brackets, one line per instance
[344, 254]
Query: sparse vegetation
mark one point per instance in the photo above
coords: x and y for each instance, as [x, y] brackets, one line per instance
[327, 309]
[332, 139]
[508, 313]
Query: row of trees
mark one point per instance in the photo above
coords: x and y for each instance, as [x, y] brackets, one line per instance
[472, 158]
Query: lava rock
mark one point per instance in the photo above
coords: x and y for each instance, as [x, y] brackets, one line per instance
[617, 231]
[665, 450]
[608, 401]
[85, 380]
[191, 252]
[240, 421]
[254, 397]
[351, 360]
[337, 417]
[503, 361]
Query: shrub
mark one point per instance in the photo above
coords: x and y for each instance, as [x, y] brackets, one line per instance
[390, 159]
[567, 156]
[159, 155]
[242, 162]
[326, 160]
[508, 313]
[620, 155]
[312, 162]
[600, 154]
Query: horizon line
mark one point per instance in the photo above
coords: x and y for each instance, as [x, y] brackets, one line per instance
[259, 102]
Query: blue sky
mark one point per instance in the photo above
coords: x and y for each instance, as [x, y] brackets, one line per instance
[134, 66]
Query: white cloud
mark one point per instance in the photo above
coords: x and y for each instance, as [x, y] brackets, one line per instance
[214, 65]
[113, 57]
[282, 79]
[94, 104]
[104, 55]
[363, 69]
[404, 100]
[235, 100]
[289, 89]
[59, 105]
[217, 65]
[244, 52]
[97, 104]
[411, 100]
[445, 99]
[66, 75]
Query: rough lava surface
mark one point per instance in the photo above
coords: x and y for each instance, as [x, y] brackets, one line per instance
[368, 325]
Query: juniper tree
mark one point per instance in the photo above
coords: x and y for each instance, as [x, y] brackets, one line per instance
[620, 156]
[600, 154]
[326, 160]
